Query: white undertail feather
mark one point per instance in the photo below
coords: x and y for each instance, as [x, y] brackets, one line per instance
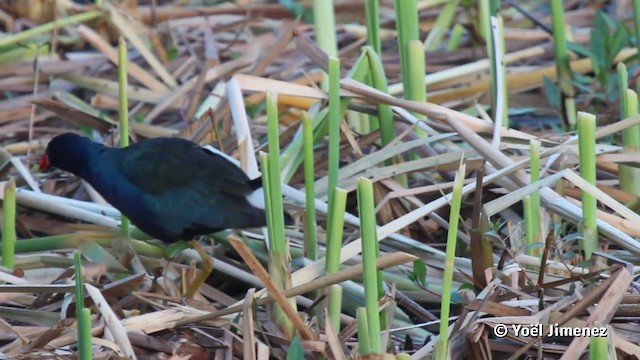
[256, 198]
[218, 152]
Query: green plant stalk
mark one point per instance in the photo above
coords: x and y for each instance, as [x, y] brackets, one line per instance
[294, 150]
[79, 293]
[266, 185]
[587, 150]
[311, 239]
[123, 107]
[335, 117]
[334, 238]
[279, 256]
[417, 70]
[72, 240]
[528, 225]
[372, 16]
[370, 252]
[447, 277]
[407, 28]
[30, 51]
[636, 19]
[385, 114]
[335, 306]
[534, 153]
[9, 224]
[364, 341]
[84, 335]
[332, 255]
[629, 175]
[44, 28]
[455, 37]
[355, 119]
[441, 26]
[484, 14]
[325, 25]
[79, 287]
[275, 190]
[567, 96]
[623, 85]
[599, 347]
[379, 81]
[278, 261]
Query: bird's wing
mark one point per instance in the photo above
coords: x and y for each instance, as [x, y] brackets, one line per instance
[168, 164]
[188, 187]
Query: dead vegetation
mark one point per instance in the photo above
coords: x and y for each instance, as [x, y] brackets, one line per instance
[187, 66]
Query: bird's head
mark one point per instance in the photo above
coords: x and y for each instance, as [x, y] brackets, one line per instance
[69, 152]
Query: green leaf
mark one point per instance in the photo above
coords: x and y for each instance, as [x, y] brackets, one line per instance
[552, 93]
[296, 351]
[467, 286]
[598, 44]
[420, 272]
[177, 247]
[579, 49]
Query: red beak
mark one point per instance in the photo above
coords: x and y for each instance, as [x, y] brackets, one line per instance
[44, 162]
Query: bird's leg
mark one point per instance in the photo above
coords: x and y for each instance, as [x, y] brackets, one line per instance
[207, 267]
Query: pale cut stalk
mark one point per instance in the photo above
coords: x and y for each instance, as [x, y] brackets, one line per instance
[25, 173]
[335, 306]
[447, 276]
[243, 134]
[113, 323]
[123, 107]
[501, 113]
[106, 210]
[370, 252]
[9, 225]
[586, 146]
[325, 28]
[311, 240]
[416, 71]
[484, 26]
[364, 341]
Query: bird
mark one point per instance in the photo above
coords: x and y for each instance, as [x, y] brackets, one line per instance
[170, 188]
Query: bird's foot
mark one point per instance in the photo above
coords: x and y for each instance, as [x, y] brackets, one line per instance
[207, 268]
